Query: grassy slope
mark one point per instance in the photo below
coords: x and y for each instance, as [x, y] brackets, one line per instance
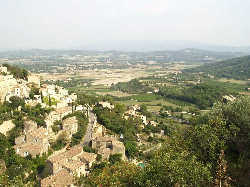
[237, 68]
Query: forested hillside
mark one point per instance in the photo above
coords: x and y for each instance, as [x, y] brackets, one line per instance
[237, 68]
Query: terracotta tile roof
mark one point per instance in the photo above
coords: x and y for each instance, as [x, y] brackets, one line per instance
[88, 157]
[60, 179]
[74, 151]
[63, 110]
[39, 133]
[73, 165]
[104, 139]
[29, 125]
[32, 149]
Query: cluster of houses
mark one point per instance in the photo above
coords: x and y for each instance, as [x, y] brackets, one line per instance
[68, 164]
[59, 95]
[35, 140]
[10, 86]
[133, 112]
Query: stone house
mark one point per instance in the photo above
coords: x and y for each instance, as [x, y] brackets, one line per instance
[73, 96]
[56, 115]
[6, 126]
[3, 69]
[29, 126]
[70, 126]
[98, 131]
[88, 159]
[33, 142]
[153, 123]
[106, 105]
[63, 91]
[34, 79]
[144, 119]
[61, 179]
[20, 90]
[134, 107]
[107, 146]
[75, 161]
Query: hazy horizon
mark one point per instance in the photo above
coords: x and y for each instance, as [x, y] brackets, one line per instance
[109, 24]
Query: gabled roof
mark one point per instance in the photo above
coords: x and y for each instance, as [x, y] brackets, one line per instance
[88, 157]
[61, 179]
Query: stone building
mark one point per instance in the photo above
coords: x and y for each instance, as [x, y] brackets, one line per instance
[70, 126]
[33, 142]
[72, 162]
[61, 179]
[34, 79]
[107, 146]
[6, 126]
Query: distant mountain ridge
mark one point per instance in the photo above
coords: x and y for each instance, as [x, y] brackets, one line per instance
[146, 46]
[185, 55]
[236, 68]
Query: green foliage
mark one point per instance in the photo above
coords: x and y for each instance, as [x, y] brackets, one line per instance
[131, 149]
[113, 120]
[89, 149]
[50, 101]
[171, 166]
[227, 128]
[60, 143]
[57, 126]
[83, 99]
[15, 102]
[237, 68]
[144, 111]
[203, 95]
[36, 113]
[119, 174]
[82, 127]
[17, 72]
[34, 91]
[133, 86]
[115, 158]
[140, 97]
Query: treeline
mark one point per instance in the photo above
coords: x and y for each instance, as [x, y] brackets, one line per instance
[17, 72]
[214, 151]
[203, 95]
[133, 86]
[237, 68]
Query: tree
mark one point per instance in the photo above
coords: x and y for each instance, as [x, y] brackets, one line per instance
[15, 102]
[131, 149]
[226, 128]
[173, 165]
[221, 175]
[115, 158]
[119, 174]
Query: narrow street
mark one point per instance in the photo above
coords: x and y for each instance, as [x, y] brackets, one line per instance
[88, 136]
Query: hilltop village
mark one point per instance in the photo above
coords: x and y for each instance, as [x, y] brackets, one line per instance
[36, 140]
[64, 130]
[56, 133]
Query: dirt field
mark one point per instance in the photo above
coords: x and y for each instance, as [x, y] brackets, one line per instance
[245, 93]
[114, 93]
[101, 77]
[233, 81]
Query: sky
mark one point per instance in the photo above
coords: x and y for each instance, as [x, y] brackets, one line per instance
[61, 24]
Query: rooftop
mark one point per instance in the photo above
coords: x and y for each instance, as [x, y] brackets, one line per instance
[60, 179]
